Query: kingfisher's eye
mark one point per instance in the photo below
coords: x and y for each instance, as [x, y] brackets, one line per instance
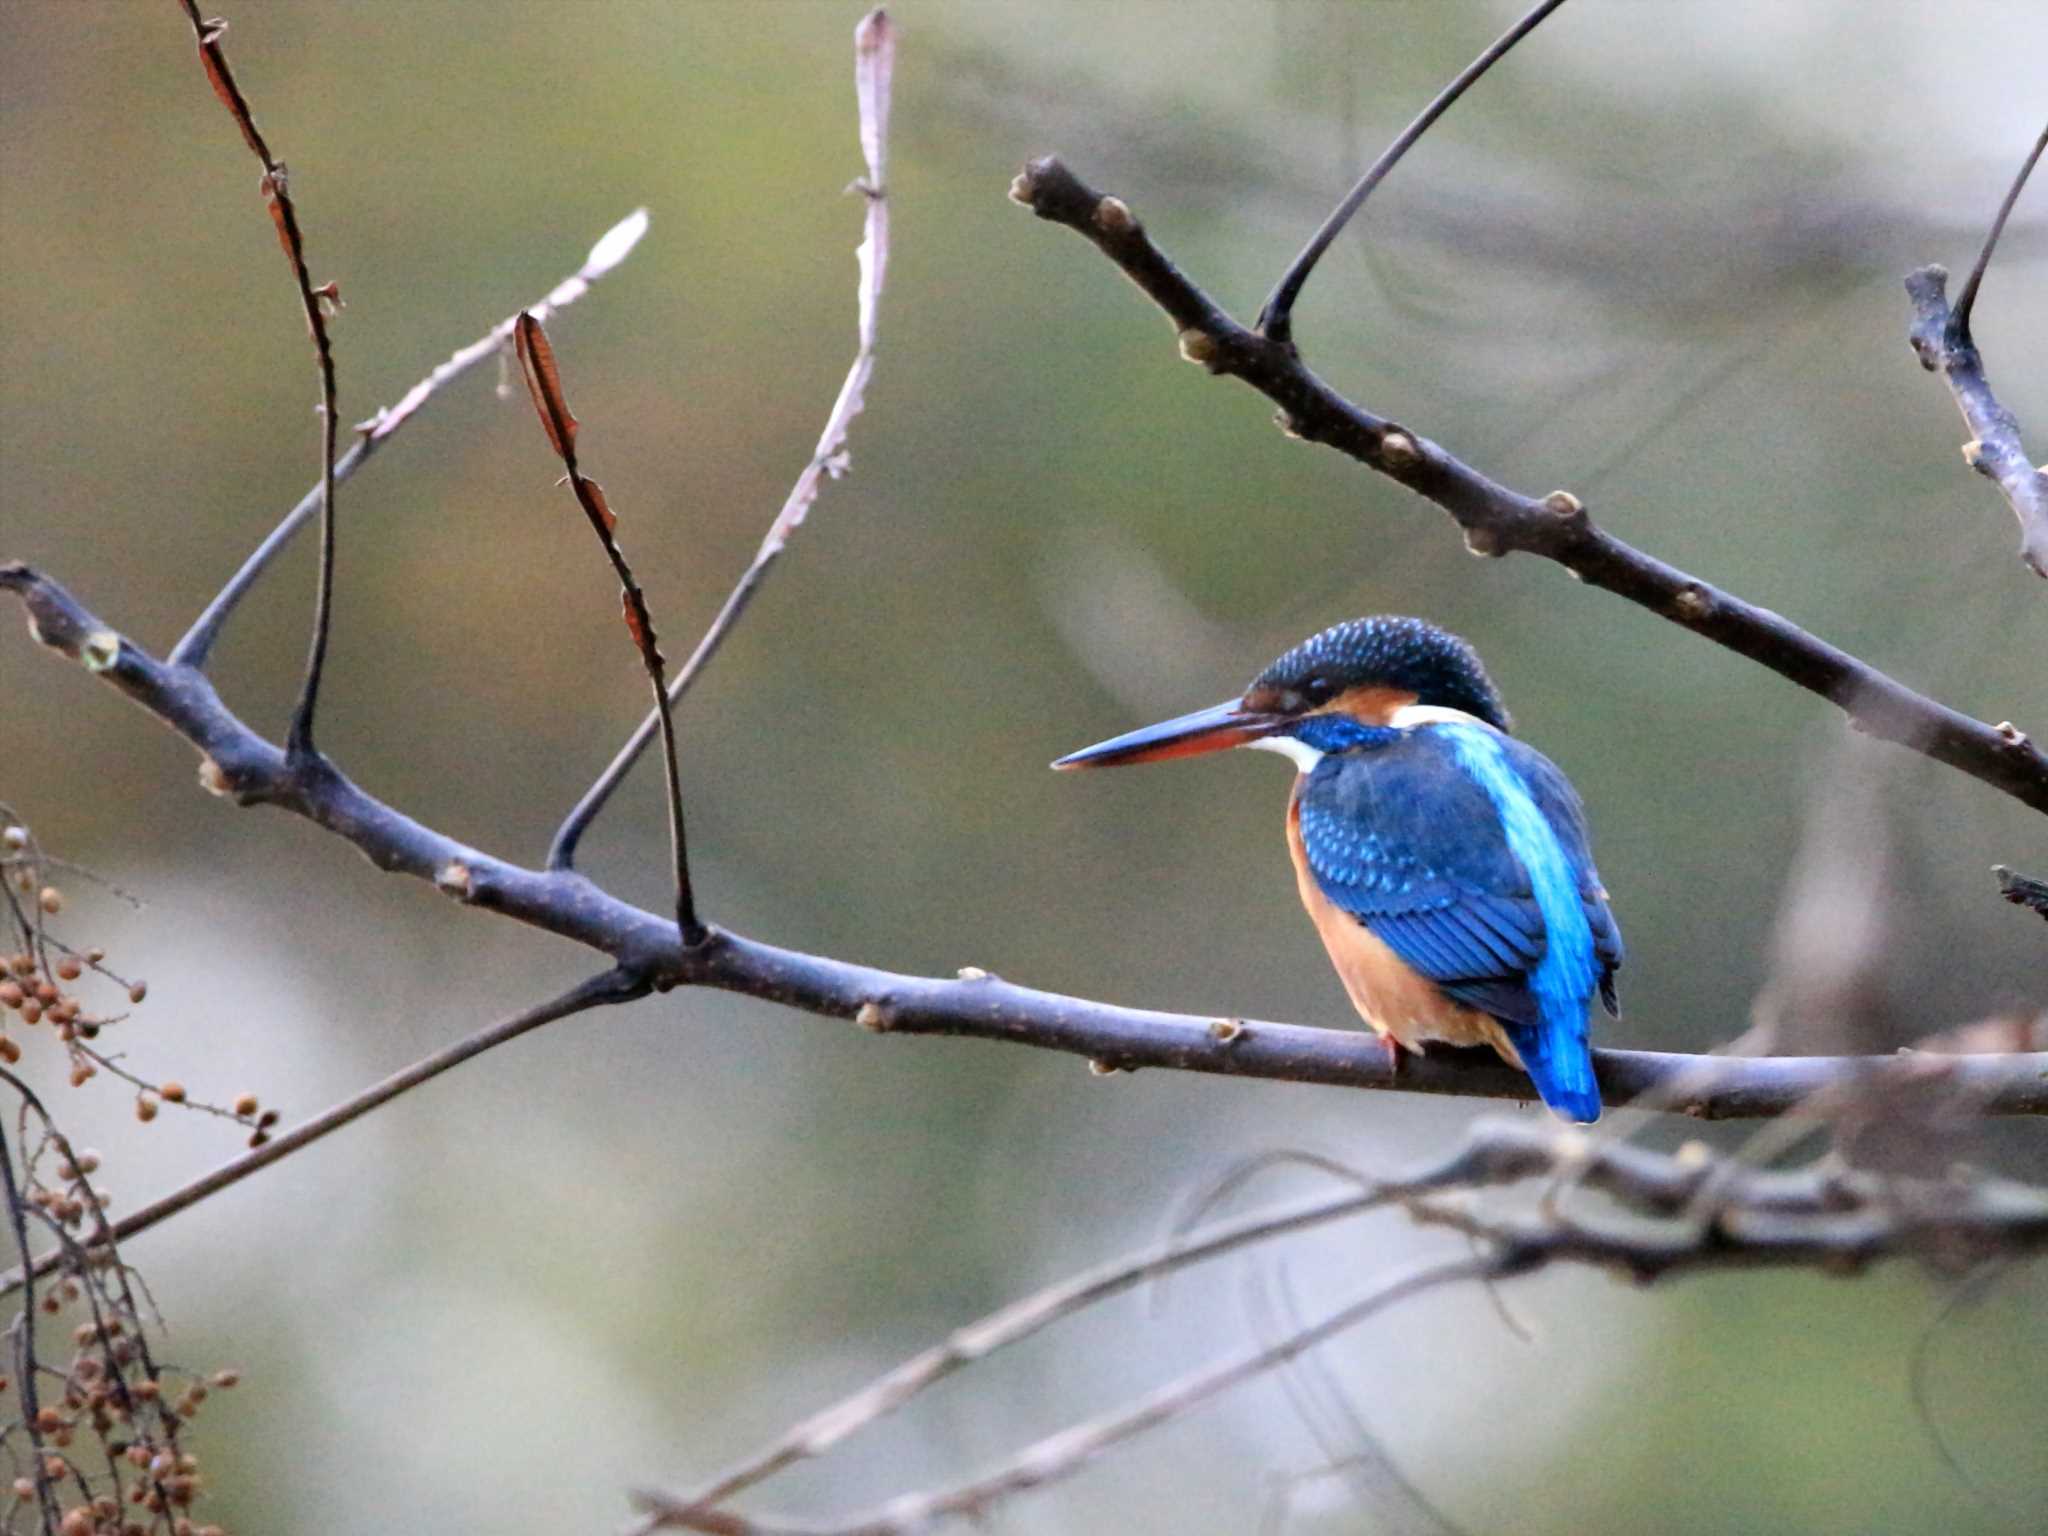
[1318, 689]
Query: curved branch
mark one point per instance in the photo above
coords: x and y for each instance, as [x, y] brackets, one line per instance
[241, 765]
[1276, 315]
[1497, 520]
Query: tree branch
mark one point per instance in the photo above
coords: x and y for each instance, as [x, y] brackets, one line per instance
[1941, 339]
[1497, 520]
[614, 986]
[1678, 1213]
[239, 764]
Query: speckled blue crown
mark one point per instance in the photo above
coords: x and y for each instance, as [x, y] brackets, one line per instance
[1390, 652]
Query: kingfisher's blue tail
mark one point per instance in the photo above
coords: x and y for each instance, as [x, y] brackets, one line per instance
[1560, 1064]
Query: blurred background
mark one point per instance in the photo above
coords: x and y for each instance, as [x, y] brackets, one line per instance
[1655, 259]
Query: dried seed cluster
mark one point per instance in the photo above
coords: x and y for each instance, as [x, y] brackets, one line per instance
[94, 1444]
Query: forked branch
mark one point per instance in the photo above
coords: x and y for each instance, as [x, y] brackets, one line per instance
[1942, 339]
[1497, 520]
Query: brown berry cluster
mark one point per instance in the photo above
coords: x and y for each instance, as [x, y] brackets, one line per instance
[103, 1454]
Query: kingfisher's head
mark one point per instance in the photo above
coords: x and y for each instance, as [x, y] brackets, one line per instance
[1340, 689]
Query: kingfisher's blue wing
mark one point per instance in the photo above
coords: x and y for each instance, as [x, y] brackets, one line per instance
[1407, 842]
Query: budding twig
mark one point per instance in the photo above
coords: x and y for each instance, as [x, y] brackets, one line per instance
[537, 360]
[284, 213]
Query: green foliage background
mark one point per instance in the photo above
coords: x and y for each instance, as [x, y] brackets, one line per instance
[1655, 260]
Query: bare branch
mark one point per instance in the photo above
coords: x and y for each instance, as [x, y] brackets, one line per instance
[823, 1431]
[874, 67]
[537, 360]
[1497, 520]
[608, 987]
[1276, 316]
[1966, 301]
[239, 764]
[1061, 1455]
[1679, 1213]
[284, 213]
[1941, 339]
[612, 248]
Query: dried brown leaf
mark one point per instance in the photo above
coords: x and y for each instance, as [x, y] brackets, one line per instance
[544, 382]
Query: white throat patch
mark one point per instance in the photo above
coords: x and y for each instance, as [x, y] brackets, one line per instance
[1304, 756]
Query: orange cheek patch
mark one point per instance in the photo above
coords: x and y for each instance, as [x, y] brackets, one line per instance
[1371, 705]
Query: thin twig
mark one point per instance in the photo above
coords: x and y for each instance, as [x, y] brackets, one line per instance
[605, 988]
[1968, 1292]
[27, 1371]
[1824, 1216]
[1498, 520]
[1013, 1324]
[1276, 316]
[1060, 1455]
[612, 248]
[1942, 340]
[537, 360]
[874, 49]
[1966, 301]
[284, 213]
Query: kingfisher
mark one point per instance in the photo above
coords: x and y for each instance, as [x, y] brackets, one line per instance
[1444, 862]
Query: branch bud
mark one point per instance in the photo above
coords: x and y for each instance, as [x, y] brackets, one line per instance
[1400, 452]
[1113, 216]
[1693, 603]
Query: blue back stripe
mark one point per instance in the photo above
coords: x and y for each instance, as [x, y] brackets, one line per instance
[1563, 980]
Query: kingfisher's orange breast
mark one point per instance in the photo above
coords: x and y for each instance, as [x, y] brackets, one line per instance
[1389, 994]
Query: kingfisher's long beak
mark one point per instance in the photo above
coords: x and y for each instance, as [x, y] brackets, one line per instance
[1206, 730]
